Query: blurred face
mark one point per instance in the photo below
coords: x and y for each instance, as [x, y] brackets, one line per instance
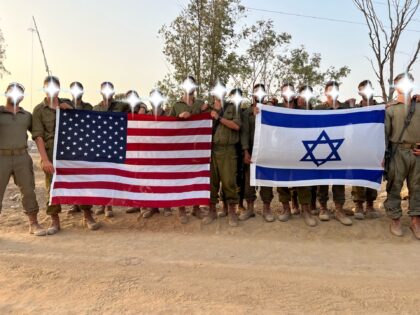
[288, 93]
[107, 91]
[52, 89]
[404, 86]
[259, 95]
[15, 94]
[332, 93]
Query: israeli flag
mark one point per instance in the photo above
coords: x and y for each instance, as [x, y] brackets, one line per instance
[320, 147]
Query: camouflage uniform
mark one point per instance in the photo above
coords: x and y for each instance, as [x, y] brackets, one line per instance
[14, 158]
[405, 166]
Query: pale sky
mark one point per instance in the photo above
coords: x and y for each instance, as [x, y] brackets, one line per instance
[109, 40]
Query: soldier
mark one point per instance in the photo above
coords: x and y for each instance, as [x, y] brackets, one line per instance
[362, 194]
[184, 108]
[77, 90]
[226, 125]
[15, 161]
[303, 193]
[108, 104]
[331, 92]
[43, 133]
[404, 161]
[247, 141]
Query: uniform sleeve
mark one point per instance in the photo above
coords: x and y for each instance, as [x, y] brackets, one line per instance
[245, 130]
[237, 119]
[388, 125]
[30, 123]
[172, 112]
[37, 125]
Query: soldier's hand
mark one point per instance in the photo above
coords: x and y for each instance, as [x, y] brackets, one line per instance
[247, 157]
[417, 98]
[214, 114]
[416, 151]
[65, 106]
[256, 110]
[47, 167]
[185, 115]
[351, 102]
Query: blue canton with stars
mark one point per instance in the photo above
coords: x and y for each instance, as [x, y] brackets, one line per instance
[323, 138]
[92, 136]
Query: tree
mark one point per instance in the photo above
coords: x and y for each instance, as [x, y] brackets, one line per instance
[201, 42]
[3, 69]
[384, 39]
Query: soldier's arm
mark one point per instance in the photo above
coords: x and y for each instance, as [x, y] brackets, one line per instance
[245, 131]
[37, 135]
[388, 125]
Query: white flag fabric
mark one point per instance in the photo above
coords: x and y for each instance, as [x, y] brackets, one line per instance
[295, 147]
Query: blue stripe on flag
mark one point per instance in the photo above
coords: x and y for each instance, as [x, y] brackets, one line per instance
[333, 119]
[284, 175]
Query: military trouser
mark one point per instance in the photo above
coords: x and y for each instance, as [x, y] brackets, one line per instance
[338, 194]
[363, 194]
[21, 168]
[51, 209]
[404, 166]
[303, 193]
[250, 191]
[223, 170]
[266, 193]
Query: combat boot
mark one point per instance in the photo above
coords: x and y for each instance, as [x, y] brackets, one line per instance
[341, 216]
[100, 210]
[285, 214]
[358, 211]
[73, 209]
[34, 227]
[211, 216]
[182, 215]
[222, 213]
[307, 216]
[249, 212]
[371, 212]
[395, 227]
[415, 226]
[323, 212]
[295, 207]
[196, 212]
[90, 221]
[108, 212]
[167, 212]
[267, 213]
[132, 210]
[55, 225]
[149, 212]
[233, 216]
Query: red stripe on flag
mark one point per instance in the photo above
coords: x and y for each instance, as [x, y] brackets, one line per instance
[183, 161]
[168, 132]
[132, 188]
[204, 116]
[129, 203]
[129, 174]
[168, 146]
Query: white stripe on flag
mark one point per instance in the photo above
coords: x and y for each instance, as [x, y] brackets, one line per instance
[166, 139]
[167, 154]
[137, 124]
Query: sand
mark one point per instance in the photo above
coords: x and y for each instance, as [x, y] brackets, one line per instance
[158, 266]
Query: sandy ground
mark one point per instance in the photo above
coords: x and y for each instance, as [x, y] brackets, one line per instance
[158, 266]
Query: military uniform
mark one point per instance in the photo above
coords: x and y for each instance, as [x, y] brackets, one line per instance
[43, 125]
[224, 157]
[337, 190]
[14, 158]
[405, 166]
[181, 107]
[114, 106]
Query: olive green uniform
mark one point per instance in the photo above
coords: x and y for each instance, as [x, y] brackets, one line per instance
[43, 125]
[114, 106]
[405, 166]
[247, 141]
[224, 157]
[337, 190]
[364, 194]
[14, 158]
[181, 107]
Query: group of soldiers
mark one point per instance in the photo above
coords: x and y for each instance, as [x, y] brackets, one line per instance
[232, 145]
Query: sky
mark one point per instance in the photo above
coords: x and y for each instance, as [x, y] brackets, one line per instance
[109, 40]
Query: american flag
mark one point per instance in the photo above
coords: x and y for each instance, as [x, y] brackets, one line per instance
[123, 159]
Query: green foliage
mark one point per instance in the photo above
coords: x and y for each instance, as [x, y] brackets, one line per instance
[3, 69]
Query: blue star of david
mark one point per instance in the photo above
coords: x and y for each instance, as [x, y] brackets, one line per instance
[310, 146]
